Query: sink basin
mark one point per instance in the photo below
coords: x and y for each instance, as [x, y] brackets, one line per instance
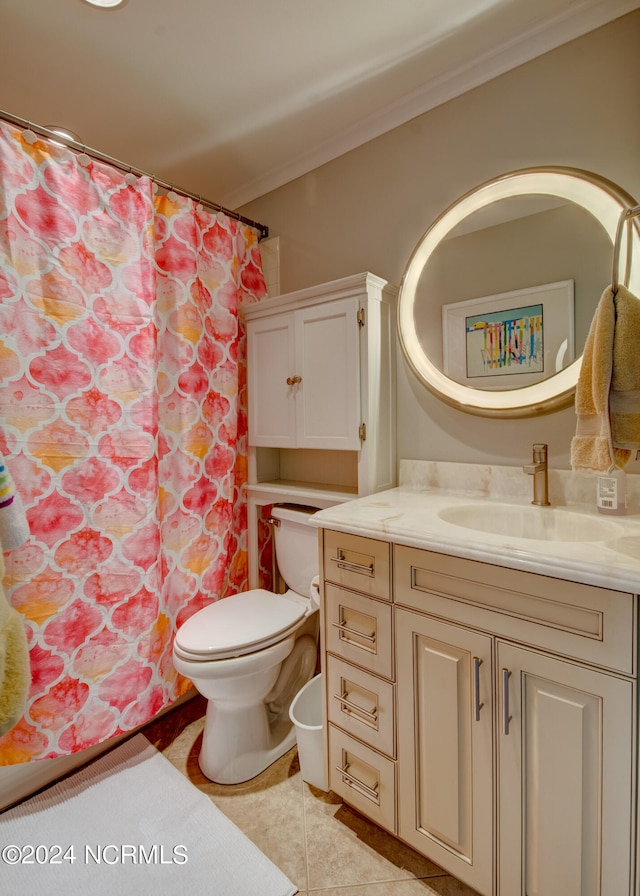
[530, 522]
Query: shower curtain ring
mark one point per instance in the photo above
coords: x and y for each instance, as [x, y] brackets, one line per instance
[28, 135]
[83, 158]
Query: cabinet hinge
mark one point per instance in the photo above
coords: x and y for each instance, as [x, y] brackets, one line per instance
[362, 432]
[361, 317]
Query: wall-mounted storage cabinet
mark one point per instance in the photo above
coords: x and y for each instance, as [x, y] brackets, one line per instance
[304, 377]
[321, 393]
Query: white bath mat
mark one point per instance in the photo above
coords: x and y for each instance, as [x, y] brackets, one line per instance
[130, 823]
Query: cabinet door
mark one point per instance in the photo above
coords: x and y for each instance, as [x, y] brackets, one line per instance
[272, 394]
[445, 745]
[565, 777]
[328, 362]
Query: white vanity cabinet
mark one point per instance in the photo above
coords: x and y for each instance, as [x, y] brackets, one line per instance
[543, 670]
[515, 738]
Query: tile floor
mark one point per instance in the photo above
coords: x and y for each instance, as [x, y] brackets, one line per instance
[322, 845]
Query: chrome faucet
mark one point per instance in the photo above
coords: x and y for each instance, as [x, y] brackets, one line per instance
[538, 469]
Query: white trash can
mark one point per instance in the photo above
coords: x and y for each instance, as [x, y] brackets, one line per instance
[306, 714]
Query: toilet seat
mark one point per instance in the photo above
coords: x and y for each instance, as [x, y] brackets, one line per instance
[238, 625]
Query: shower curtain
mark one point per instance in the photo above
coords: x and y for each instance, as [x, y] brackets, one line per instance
[123, 423]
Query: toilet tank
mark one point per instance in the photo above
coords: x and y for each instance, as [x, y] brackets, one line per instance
[296, 544]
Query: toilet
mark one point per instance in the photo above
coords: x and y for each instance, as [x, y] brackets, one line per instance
[249, 655]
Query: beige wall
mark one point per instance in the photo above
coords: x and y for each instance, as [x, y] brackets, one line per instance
[578, 106]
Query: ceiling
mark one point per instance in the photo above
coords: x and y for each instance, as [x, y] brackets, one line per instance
[229, 99]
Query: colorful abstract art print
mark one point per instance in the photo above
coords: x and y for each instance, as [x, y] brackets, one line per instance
[504, 342]
[510, 339]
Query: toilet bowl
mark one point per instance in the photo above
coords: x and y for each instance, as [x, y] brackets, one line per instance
[250, 654]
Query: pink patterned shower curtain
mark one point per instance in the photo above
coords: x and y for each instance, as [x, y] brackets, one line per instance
[123, 423]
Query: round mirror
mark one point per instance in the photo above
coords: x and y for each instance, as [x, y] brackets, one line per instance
[498, 296]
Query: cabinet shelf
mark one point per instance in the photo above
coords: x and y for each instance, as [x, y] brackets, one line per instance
[289, 489]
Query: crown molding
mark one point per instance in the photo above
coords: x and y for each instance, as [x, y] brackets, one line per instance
[555, 32]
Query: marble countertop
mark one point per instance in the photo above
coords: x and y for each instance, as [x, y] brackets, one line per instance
[412, 514]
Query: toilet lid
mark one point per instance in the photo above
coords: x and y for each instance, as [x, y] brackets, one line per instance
[238, 624]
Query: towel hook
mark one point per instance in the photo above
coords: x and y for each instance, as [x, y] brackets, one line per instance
[624, 218]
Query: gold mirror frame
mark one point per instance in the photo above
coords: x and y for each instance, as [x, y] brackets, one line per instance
[602, 198]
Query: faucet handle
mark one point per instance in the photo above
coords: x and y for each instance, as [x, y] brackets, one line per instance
[540, 453]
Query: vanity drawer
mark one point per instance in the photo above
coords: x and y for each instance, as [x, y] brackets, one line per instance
[585, 622]
[359, 629]
[363, 778]
[361, 704]
[357, 562]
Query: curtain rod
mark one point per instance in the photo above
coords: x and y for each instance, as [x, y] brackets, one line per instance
[262, 229]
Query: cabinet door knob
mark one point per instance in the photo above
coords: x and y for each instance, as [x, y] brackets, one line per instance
[293, 380]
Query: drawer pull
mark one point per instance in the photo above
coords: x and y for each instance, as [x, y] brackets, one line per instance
[293, 380]
[477, 662]
[506, 718]
[373, 716]
[353, 567]
[353, 631]
[370, 792]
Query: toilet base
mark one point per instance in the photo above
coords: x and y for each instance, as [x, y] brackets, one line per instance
[224, 758]
[244, 735]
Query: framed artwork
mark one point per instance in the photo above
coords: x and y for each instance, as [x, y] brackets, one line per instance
[510, 339]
